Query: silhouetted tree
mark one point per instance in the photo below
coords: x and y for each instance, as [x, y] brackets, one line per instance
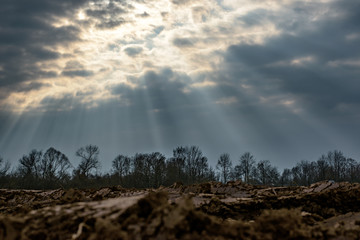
[305, 172]
[246, 167]
[54, 165]
[286, 177]
[175, 166]
[4, 167]
[353, 172]
[195, 164]
[157, 177]
[187, 165]
[296, 175]
[29, 164]
[179, 157]
[89, 159]
[139, 170]
[203, 169]
[323, 168]
[121, 167]
[224, 164]
[174, 171]
[211, 175]
[337, 162]
[267, 174]
[29, 170]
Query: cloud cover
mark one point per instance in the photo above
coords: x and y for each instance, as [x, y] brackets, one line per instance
[278, 78]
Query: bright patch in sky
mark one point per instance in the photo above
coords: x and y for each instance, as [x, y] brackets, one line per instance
[276, 78]
[121, 41]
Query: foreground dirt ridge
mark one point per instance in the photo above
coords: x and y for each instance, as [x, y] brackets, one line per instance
[325, 210]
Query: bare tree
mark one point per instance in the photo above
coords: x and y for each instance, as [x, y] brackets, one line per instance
[286, 177]
[352, 169]
[175, 170]
[89, 159]
[203, 168]
[157, 169]
[4, 169]
[29, 164]
[267, 174]
[121, 166]
[246, 167]
[296, 175]
[224, 164]
[54, 165]
[337, 164]
[334, 165]
[211, 175]
[195, 164]
[138, 173]
[323, 168]
[179, 155]
[176, 165]
[305, 171]
[188, 165]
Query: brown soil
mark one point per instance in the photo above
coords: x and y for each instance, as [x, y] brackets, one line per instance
[325, 210]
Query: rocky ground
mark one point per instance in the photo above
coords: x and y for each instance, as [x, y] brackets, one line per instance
[325, 210]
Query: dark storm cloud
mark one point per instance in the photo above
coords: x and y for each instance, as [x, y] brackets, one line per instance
[18, 62]
[133, 51]
[276, 67]
[26, 37]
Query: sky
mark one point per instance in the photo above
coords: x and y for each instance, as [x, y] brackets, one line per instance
[277, 78]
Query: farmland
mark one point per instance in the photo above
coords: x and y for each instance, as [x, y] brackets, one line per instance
[324, 210]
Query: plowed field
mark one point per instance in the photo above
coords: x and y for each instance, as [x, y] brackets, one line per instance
[325, 210]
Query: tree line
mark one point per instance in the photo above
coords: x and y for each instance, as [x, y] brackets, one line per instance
[53, 169]
[331, 166]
